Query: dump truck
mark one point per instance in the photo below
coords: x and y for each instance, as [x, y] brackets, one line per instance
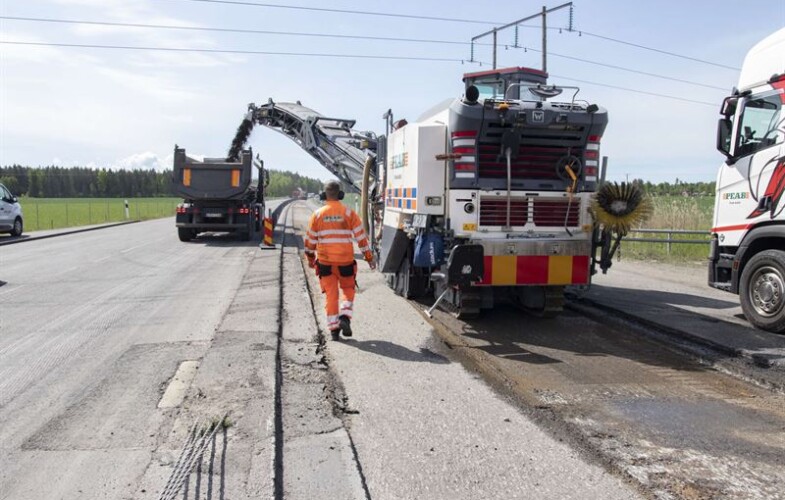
[495, 195]
[747, 254]
[218, 195]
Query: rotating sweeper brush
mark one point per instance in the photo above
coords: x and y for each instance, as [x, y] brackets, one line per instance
[620, 207]
[617, 208]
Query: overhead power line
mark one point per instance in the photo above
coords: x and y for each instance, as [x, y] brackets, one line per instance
[341, 11]
[339, 36]
[323, 55]
[637, 91]
[456, 20]
[659, 51]
[231, 51]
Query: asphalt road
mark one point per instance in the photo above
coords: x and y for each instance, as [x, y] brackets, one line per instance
[117, 344]
[92, 328]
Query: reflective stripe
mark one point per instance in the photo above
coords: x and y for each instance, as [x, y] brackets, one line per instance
[329, 241]
[463, 142]
[358, 229]
[309, 251]
[365, 249]
[327, 232]
[592, 147]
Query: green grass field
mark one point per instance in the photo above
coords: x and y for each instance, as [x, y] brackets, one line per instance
[674, 212]
[58, 213]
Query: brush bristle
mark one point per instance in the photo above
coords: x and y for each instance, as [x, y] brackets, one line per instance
[620, 207]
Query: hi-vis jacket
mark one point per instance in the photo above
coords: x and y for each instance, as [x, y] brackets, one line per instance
[330, 234]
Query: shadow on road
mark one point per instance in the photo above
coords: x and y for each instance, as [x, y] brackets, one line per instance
[509, 333]
[395, 351]
[658, 297]
[211, 239]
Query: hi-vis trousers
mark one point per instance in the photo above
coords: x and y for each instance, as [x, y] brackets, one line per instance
[338, 282]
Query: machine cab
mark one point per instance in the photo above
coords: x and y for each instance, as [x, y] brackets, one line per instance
[506, 83]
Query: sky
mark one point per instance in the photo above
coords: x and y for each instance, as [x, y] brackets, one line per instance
[123, 108]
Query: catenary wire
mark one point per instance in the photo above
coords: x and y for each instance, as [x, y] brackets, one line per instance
[303, 54]
[233, 51]
[627, 89]
[457, 20]
[352, 37]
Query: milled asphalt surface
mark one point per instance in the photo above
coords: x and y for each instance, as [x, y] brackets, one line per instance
[425, 427]
[676, 297]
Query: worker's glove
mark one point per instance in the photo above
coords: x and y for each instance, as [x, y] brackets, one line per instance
[372, 264]
[311, 259]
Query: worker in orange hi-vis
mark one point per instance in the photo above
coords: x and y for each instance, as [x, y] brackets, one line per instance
[328, 246]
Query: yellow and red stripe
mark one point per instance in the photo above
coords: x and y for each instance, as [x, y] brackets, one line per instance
[511, 270]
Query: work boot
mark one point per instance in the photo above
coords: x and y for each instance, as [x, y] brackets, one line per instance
[346, 326]
[335, 334]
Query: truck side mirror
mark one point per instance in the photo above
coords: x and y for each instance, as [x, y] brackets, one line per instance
[724, 127]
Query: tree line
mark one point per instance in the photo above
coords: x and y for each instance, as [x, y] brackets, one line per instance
[82, 182]
[678, 188]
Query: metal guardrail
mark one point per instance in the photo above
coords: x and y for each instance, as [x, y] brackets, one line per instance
[669, 241]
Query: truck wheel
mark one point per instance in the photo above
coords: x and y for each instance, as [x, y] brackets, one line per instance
[185, 234]
[762, 290]
[18, 227]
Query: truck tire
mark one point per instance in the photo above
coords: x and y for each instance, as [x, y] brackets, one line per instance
[185, 234]
[762, 290]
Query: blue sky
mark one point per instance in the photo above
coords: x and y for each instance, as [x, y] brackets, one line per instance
[125, 109]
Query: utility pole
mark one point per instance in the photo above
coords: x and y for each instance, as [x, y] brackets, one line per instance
[544, 39]
[543, 15]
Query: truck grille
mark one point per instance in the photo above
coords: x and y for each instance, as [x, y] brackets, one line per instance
[545, 212]
[493, 211]
[532, 162]
[554, 212]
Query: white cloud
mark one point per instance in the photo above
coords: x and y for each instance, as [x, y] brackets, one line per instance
[144, 161]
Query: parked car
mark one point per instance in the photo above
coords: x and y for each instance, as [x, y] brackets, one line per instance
[11, 220]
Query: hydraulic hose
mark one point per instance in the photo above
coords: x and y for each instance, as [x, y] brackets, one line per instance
[365, 194]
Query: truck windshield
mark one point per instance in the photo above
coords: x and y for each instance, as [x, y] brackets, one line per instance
[490, 90]
[760, 121]
[516, 89]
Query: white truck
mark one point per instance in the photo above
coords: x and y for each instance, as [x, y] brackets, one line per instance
[747, 254]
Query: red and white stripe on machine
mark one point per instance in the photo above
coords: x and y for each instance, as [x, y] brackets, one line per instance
[464, 143]
[591, 158]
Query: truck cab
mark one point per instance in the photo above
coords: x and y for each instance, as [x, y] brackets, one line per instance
[748, 234]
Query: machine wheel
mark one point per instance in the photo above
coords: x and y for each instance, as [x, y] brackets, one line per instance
[185, 234]
[541, 301]
[18, 227]
[762, 290]
[469, 302]
[409, 282]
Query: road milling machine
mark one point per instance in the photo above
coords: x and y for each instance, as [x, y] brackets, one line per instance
[492, 196]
